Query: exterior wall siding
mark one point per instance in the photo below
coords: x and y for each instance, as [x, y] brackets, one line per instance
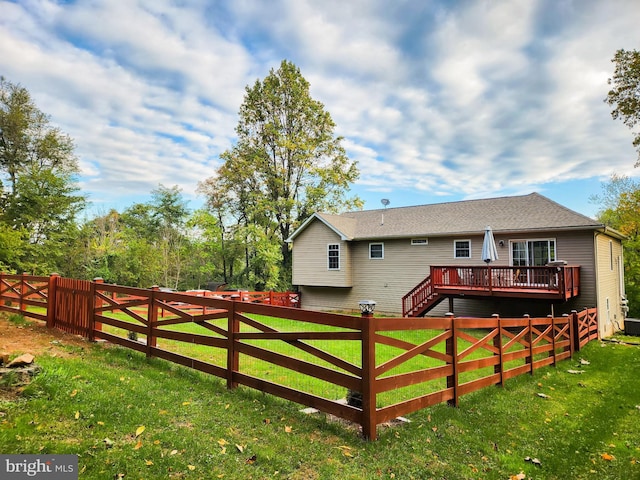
[310, 265]
[609, 255]
[404, 265]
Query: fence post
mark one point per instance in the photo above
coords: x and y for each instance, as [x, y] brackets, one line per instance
[94, 303]
[529, 359]
[497, 343]
[553, 338]
[152, 319]
[452, 351]
[570, 327]
[23, 292]
[233, 357]
[368, 330]
[51, 300]
[576, 331]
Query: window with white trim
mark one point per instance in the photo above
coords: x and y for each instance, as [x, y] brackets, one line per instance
[611, 255]
[333, 256]
[376, 251]
[462, 249]
[533, 253]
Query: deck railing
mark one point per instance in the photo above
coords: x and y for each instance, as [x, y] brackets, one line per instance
[397, 365]
[552, 282]
[558, 279]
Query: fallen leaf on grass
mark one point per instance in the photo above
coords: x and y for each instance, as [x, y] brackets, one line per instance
[77, 415]
[346, 451]
[108, 442]
[584, 362]
[191, 467]
[173, 452]
[139, 430]
[519, 476]
[73, 394]
[288, 429]
[535, 461]
[607, 457]
[240, 448]
[543, 395]
[251, 460]
[138, 445]
[575, 372]
[148, 463]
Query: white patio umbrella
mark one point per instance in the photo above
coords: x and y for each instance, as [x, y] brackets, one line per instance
[489, 250]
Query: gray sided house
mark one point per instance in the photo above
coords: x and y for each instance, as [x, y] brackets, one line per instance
[426, 260]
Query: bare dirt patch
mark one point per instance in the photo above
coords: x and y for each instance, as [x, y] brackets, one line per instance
[35, 338]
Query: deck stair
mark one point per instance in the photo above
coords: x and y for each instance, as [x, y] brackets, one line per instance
[420, 299]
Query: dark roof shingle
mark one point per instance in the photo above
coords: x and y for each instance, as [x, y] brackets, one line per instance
[503, 214]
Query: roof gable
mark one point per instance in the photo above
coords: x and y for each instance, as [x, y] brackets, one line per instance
[344, 227]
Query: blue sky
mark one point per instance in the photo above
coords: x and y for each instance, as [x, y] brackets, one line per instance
[436, 100]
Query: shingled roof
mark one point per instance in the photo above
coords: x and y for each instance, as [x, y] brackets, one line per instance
[504, 214]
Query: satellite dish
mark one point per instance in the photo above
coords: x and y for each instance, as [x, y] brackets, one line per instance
[385, 201]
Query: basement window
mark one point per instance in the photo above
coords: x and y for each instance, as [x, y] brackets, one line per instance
[419, 241]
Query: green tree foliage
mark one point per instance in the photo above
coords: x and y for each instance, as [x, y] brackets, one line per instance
[621, 210]
[624, 95]
[39, 195]
[287, 163]
[147, 244]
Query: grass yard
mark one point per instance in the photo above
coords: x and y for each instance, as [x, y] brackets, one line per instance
[133, 418]
[349, 351]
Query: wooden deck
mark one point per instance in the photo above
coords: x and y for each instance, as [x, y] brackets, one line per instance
[553, 283]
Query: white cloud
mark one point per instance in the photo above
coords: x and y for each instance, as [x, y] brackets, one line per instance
[457, 99]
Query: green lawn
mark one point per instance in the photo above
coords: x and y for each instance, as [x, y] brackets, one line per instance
[587, 426]
[349, 351]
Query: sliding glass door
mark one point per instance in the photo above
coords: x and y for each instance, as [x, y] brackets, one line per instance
[531, 253]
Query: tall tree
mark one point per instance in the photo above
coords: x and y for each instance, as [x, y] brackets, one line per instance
[27, 140]
[287, 162]
[624, 95]
[40, 196]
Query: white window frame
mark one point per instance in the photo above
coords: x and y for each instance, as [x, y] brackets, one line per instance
[381, 244]
[331, 250]
[611, 255]
[455, 248]
[526, 241]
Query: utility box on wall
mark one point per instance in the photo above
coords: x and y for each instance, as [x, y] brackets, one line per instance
[632, 326]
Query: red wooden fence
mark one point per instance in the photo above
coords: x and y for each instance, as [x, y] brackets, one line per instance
[398, 365]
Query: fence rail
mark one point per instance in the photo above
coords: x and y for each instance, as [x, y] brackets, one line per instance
[395, 365]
